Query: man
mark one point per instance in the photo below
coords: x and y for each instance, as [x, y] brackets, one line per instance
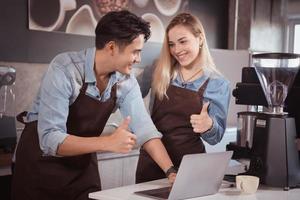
[55, 157]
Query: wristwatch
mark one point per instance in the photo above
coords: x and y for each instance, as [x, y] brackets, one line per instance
[172, 169]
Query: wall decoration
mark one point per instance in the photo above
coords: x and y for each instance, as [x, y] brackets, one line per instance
[80, 16]
[24, 41]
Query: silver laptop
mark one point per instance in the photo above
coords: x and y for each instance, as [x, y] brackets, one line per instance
[198, 175]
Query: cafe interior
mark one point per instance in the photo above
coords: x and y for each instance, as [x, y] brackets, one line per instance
[255, 44]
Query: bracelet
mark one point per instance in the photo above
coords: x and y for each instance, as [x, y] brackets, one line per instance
[172, 169]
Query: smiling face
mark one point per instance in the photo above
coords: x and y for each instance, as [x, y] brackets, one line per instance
[184, 45]
[127, 56]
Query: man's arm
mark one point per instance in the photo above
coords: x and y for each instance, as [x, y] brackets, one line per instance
[121, 141]
[147, 135]
[158, 153]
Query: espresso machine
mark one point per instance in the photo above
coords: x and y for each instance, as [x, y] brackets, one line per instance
[8, 135]
[268, 137]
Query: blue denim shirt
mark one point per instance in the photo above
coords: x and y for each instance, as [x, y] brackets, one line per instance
[217, 93]
[60, 88]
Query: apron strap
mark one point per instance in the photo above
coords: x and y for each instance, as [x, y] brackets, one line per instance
[83, 88]
[20, 117]
[203, 87]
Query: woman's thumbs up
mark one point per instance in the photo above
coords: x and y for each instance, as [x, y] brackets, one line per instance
[202, 122]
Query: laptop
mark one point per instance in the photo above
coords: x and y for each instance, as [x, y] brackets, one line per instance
[198, 175]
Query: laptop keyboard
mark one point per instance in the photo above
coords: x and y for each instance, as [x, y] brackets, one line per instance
[160, 193]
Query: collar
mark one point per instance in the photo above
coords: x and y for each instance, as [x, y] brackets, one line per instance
[192, 84]
[89, 65]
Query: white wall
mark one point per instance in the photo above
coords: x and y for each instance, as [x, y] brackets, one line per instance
[230, 63]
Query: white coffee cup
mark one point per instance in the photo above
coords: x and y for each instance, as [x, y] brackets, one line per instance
[82, 22]
[247, 184]
[167, 7]
[141, 3]
[156, 27]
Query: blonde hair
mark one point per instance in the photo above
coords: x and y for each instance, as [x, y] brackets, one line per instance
[166, 69]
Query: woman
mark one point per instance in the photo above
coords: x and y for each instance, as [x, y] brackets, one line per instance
[190, 97]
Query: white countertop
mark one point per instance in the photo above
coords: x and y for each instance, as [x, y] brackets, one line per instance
[111, 155]
[226, 192]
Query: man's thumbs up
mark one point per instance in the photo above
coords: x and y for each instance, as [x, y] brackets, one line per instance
[125, 123]
[122, 141]
[202, 122]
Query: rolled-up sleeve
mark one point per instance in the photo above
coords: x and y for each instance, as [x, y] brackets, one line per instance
[218, 94]
[56, 89]
[131, 104]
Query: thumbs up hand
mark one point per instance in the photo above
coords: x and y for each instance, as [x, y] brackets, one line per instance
[201, 122]
[122, 141]
[125, 124]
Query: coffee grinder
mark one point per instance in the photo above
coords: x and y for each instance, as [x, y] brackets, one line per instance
[8, 135]
[273, 155]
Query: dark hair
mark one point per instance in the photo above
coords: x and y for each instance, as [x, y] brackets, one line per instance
[122, 27]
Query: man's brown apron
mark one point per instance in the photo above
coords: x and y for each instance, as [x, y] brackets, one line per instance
[172, 118]
[48, 177]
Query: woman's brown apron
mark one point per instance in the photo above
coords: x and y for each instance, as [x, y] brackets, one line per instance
[73, 177]
[172, 118]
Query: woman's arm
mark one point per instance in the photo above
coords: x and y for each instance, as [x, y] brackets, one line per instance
[218, 96]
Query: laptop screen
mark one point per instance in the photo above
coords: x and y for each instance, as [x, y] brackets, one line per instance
[198, 175]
